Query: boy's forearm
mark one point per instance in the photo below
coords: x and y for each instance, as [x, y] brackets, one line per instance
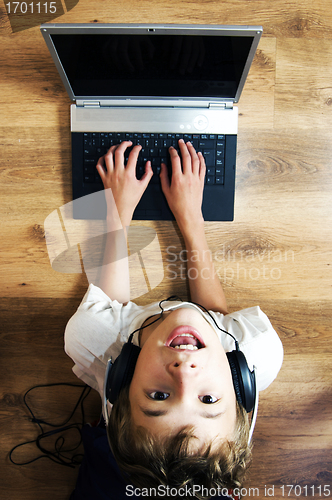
[114, 277]
[204, 285]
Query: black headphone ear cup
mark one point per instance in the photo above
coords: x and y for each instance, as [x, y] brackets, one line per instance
[235, 377]
[243, 379]
[121, 371]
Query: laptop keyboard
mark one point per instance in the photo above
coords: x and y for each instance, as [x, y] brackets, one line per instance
[155, 148]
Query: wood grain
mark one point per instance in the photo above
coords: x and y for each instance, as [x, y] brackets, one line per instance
[276, 253]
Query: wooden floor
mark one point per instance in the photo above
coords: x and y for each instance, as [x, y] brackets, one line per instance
[276, 253]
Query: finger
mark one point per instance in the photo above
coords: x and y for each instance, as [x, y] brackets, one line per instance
[186, 158]
[202, 166]
[133, 157]
[195, 162]
[100, 166]
[109, 163]
[119, 153]
[164, 179]
[145, 179]
[101, 169]
[176, 161]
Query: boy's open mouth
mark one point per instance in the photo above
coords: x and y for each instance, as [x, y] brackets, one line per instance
[185, 338]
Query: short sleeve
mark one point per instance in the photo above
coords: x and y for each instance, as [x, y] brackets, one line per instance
[97, 332]
[258, 341]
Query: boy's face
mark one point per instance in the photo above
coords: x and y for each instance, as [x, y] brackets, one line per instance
[173, 387]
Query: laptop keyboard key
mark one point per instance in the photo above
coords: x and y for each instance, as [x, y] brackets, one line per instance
[210, 159]
[209, 179]
[207, 144]
[90, 178]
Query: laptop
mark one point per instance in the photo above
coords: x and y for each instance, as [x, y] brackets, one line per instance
[153, 85]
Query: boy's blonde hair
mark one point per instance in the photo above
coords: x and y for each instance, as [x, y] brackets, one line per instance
[148, 461]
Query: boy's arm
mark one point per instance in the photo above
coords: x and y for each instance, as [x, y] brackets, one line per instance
[122, 192]
[184, 196]
[204, 285]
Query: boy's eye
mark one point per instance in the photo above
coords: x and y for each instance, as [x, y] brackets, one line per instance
[208, 400]
[158, 396]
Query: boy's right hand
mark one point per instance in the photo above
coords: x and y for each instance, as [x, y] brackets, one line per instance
[184, 194]
[120, 178]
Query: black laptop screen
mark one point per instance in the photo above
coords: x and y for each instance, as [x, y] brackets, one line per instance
[153, 65]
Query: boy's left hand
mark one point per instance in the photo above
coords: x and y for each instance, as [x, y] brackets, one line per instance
[126, 189]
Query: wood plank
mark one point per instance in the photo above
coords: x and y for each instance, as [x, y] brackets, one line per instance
[305, 467]
[303, 95]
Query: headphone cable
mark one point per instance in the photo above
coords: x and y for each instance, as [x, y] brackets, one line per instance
[176, 297]
[59, 455]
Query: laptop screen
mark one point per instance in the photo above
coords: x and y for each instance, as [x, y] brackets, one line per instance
[153, 65]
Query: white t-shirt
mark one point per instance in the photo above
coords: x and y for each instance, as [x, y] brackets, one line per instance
[101, 326]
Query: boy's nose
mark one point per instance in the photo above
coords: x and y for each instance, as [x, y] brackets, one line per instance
[183, 367]
[185, 375]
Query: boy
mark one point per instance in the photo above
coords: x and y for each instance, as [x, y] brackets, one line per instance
[179, 422]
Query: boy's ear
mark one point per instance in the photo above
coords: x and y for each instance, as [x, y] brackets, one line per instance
[121, 371]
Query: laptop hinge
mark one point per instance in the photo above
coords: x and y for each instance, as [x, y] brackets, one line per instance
[91, 104]
[221, 105]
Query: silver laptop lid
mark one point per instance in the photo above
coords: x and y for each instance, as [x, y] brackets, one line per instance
[157, 64]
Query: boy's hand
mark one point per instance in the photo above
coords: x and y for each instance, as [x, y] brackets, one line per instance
[127, 190]
[185, 192]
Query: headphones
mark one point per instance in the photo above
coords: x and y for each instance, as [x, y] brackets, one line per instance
[120, 373]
